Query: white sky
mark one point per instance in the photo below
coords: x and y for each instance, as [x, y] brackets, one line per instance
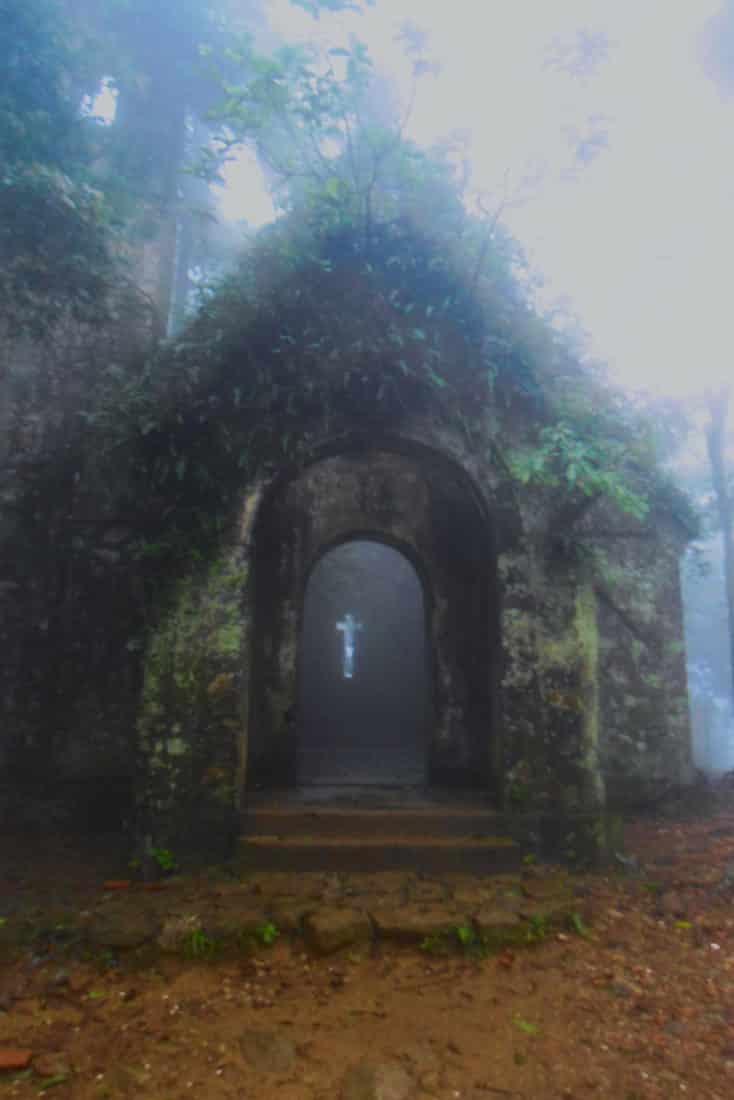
[641, 241]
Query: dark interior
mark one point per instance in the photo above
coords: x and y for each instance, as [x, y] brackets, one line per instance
[363, 683]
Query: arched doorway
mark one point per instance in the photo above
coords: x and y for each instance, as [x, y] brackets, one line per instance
[363, 699]
[418, 501]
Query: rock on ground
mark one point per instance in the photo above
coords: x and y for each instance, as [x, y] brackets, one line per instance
[51, 1065]
[177, 932]
[377, 1081]
[268, 1052]
[122, 927]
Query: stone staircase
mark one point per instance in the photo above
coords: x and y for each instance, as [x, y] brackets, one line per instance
[366, 831]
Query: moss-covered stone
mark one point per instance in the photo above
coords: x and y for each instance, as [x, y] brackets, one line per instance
[191, 722]
[306, 407]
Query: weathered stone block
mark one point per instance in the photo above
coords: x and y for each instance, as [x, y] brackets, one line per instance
[122, 928]
[414, 923]
[328, 930]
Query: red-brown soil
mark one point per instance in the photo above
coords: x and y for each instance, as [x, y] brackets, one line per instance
[641, 1007]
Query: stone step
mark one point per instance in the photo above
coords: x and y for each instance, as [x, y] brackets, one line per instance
[429, 822]
[352, 851]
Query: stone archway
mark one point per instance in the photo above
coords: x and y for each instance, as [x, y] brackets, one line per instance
[420, 502]
[364, 682]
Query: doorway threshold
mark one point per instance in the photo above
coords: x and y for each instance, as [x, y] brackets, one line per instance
[371, 796]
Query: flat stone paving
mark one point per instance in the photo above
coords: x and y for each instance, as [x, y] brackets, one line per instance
[330, 911]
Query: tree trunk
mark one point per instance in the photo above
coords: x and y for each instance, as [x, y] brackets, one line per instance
[718, 406]
[151, 139]
[182, 281]
[171, 148]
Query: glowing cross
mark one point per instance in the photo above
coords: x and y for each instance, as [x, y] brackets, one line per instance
[349, 627]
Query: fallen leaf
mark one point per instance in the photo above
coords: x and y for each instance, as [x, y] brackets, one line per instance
[13, 1058]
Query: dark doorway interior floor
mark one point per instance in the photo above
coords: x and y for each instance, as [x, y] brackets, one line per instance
[372, 796]
[364, 684]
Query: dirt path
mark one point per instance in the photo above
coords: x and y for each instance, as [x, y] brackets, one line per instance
[641, 1006]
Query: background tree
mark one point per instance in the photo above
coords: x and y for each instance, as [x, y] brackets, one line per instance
[152, 56]
[160, 58]
[718, 57]
[716, 442]
[717, 47]
[54, 245]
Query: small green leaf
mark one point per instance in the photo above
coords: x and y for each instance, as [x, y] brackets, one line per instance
[267, 933]
[527, 1028]
[52, 1082]
[577, 924]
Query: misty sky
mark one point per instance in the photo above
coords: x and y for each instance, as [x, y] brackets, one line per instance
[640, 240]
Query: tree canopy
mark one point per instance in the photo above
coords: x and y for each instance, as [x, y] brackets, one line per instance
[54, 252]
[358, 197]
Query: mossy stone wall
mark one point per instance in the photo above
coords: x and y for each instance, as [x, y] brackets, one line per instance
[571, 706]
[645, 744]
[191, 723]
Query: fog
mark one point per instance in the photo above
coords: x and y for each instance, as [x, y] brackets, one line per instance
[365, 381]
[600, 135]
[597, 135]
[601, 132]
[603, 135]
